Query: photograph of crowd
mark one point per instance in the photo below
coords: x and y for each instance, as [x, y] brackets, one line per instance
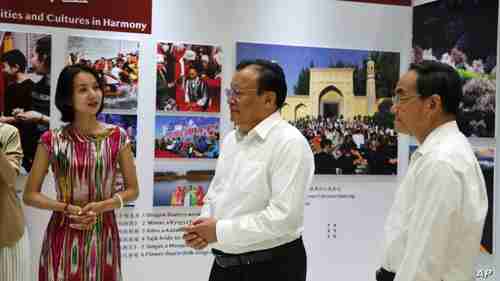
[185, 188]
[25, 60]
[463, 34]
[186, 137]
[357, 146]
[486, 157]
[116, 61]
[188, 77]
[127, 122]
[341, 102]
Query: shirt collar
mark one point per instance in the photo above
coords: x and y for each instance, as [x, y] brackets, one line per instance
[263, 128]
[435, 135]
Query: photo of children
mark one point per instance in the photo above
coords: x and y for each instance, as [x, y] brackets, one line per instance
[116, 61]
[25, 60]
[189, 77]
[185, 188]
[187, 137]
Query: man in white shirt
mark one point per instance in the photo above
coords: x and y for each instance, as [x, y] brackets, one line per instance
[434, 228]
[254, 209]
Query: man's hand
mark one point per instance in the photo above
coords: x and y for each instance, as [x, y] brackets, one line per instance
[393, 161]
[194, 241]
[29, 116]
[7, 119]
[200, 233]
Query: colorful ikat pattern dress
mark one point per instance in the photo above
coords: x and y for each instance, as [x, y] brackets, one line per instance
[84, 169]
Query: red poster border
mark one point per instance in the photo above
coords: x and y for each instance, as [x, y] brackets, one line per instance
[109, 15]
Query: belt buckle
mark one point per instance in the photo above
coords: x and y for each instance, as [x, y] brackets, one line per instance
[218, 260]
[245, 259]
[226, 262]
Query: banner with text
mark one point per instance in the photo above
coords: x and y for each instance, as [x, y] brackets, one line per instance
[111, 15]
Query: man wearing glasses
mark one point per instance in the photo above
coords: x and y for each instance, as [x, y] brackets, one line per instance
[434, 228]
[254, 209]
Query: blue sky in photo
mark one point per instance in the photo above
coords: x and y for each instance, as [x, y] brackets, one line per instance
[293, 58]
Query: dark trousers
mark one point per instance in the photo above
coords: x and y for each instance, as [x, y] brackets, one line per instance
[384, 275]
[289, 263]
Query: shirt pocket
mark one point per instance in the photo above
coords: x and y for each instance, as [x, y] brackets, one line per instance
[252, 177]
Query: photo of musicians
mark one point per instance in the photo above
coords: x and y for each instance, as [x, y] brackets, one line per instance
[188, 77]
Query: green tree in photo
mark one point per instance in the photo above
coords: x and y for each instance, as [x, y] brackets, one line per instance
[384, 117]
[386, 72]
[302, 86]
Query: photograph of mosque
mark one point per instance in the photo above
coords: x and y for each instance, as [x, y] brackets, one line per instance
[341, 101]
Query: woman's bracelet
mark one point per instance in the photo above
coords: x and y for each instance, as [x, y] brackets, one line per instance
[65, 210]
[120, 199]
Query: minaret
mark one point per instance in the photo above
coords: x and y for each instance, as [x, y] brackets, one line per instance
[370, 87]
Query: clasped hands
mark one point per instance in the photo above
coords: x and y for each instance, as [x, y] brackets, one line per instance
[83, 218]
[200, 233]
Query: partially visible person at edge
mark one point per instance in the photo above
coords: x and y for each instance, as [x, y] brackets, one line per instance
[15, 258]
[434, 228]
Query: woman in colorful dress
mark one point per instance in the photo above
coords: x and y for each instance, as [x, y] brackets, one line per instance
[81, 242]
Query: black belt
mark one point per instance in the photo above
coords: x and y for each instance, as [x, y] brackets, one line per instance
[225, 260]
[384, 275]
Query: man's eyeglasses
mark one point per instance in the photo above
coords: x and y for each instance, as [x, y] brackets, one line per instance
[397, 99]
[235, 95]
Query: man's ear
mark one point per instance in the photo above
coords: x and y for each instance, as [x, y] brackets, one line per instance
[270, 97]
[435, 102]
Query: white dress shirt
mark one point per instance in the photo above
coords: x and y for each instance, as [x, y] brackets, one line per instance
[434, 229]
[359, 140]
[258, 191]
